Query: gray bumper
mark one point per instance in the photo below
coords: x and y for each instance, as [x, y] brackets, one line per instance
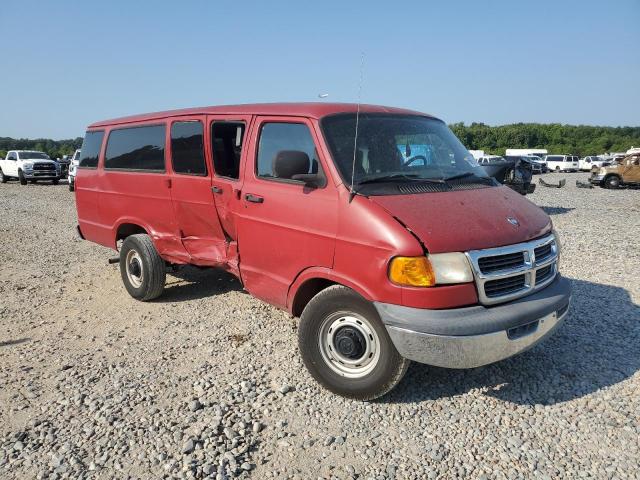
[474, 336]
[41, 176]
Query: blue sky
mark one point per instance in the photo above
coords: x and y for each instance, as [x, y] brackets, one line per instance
[66, 64]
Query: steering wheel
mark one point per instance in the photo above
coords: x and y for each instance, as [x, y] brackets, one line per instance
[413, 159]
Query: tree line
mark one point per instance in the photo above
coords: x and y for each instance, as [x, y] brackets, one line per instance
[556, 138]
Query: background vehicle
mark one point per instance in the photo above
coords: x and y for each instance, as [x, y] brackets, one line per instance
[587, 163]
[536, 164]
[29, 166]
[73, 167]
[539, 152]
[562, 163]
[514, 172]
[625, 172]
[64, 163]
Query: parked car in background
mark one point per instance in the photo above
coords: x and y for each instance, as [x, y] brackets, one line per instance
[540, 161]
[64, 163]
[73, 168]
[29, 166]
[513, 172]
[623, 173]
[391, 249]
[562, 163]
[516, 152]
[535, 163]
[587, 163]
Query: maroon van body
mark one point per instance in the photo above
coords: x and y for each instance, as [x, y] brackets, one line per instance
[290, 231]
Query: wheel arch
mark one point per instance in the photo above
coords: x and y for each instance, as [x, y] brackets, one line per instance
[312, 281]
[127, 228]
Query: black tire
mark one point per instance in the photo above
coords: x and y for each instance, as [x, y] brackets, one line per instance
[152, 274]
[327, 308]
[3, 179]
[71, 186]
[56, 181]
[21, 177]
[612, 181]
[558, 169]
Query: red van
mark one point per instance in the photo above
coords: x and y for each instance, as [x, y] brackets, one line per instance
[374, 225]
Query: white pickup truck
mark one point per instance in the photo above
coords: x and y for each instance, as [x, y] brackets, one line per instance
[29, 166]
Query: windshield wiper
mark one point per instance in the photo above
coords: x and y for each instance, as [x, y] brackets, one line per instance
[399, 176]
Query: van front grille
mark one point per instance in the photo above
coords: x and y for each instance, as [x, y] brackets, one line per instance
[543, 252]
[501, 262]
[504, 286]
[507, 273]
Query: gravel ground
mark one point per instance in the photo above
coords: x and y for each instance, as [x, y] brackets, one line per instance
[207, 381]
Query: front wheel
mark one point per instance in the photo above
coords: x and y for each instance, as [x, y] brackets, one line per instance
[22, 178]
[345, 346]
[3, 178]
[612, 181]
[142, 268]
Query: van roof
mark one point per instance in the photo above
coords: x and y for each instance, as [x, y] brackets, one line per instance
[310, 109]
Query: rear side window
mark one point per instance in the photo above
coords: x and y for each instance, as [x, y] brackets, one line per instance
[187, 148]
[281, 143]
[137, 148]
[226, 142]
[90, 150]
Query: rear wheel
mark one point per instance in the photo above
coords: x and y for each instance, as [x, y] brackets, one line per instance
[345, 346]
[612, 181]
[21, 177]
[557, 169]
[71, 187]
[142, 269]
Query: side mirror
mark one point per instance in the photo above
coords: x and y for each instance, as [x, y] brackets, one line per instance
[313, 180]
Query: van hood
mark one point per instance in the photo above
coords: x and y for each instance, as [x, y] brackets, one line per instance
[464, 220]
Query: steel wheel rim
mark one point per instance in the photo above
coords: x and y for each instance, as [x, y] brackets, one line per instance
[340, 363]
[135, 271]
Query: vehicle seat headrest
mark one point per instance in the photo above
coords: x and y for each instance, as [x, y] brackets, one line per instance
[288, 163]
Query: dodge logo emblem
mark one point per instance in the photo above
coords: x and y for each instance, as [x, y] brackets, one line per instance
[513, 221]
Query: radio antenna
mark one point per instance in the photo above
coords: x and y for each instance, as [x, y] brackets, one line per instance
[353, 192]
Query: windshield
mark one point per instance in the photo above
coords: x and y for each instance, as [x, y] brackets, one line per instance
[396, 148]
[33, 156]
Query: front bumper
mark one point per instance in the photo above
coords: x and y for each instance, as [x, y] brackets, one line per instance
[596, 178]
[474, 336]
[41, 175]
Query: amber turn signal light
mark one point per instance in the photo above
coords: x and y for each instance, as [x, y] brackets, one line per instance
[412, 271]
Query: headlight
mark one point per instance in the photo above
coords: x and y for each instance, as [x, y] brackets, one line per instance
[437, 269]
[27, 165]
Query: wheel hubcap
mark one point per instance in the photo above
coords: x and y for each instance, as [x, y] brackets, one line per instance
[349, 345]
[135, 273]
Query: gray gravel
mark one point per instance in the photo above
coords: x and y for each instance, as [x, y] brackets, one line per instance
[207, 381]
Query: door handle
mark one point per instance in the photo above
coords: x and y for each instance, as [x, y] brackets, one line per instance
[253, 198]
[215, 189]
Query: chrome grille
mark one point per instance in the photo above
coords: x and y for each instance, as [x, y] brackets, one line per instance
[501, 262]
[513, 271]
[44, 166]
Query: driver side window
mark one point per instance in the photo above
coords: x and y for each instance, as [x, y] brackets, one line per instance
[12, 156]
